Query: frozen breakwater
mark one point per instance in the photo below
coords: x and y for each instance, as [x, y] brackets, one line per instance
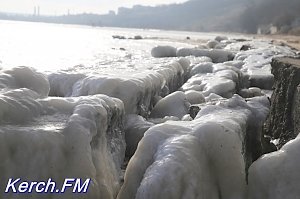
[191, 128]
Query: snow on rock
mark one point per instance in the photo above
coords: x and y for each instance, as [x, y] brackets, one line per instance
[175, 104]
[276, 175]
[163, 51]
[79, 137]
[135, 127]
[24, 77]
[203, 158]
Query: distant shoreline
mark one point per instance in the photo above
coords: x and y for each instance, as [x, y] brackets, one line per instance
[289, 40]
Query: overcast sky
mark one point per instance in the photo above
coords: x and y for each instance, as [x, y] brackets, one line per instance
[57, 7]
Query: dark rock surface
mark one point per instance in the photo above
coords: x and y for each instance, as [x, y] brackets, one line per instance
[283, 120]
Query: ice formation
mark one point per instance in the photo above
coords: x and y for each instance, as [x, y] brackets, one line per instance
[165, 107]
[43, 137]
[276, 175]
[24, 77]
[163, 51]
[135, 127]
[136, 92]
[76, 124]
[204, 158]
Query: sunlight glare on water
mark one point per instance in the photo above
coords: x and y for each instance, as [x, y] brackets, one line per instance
[52, 47]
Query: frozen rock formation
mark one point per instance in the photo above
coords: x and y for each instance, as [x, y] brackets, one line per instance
[24, 77]
[135, 126]
[137, 92]
[203, 158]
[217, 55]
[49, 137]
[276, 175]
[175, 104]
[163, 51]
[194, 97]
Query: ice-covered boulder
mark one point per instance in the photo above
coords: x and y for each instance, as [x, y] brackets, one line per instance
[175, 104]
[135, 126]
[203, 158]
[19, 106]
[213, 97]
[24, 77]
[217, 55]
[194, 97]
[276, 175]
[62, 83]
[138, 92]
[250, 92]
[221, 38]
[219, 83]
[79, 137]
[257, 62]
[163, 51]
[212, 43]
[205, 67]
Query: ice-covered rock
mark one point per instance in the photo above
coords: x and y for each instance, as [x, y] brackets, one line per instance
[217, 55]
[135, 126]
[276, 175]
[212, 43]
[194, 97]
[187, 117]
[213, 97]
[24, 77]
[62, 83]
[220, 83]
[198, 60]
[61, 137]
[163, 51]
[19, 106]
[203, 158]
[257, 62]
[138, 92]
[251, 92]
[205, 67]
[221, 38]
[175, 104]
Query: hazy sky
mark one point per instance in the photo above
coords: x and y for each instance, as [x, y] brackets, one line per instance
[75, 6]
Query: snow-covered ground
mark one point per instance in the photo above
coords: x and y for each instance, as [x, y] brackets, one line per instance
[189, 117]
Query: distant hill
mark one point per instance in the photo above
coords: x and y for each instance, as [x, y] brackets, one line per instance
[194, 15]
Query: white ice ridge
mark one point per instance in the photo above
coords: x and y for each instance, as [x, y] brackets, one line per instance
[51, 137]
[138, 92]
[24, 77]
[276, 175]
[203, 158]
